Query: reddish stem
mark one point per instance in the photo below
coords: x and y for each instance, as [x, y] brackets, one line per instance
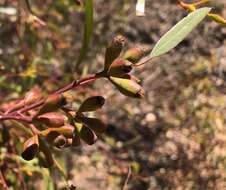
[16, 115]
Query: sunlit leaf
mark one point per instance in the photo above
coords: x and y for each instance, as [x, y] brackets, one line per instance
[174, 36]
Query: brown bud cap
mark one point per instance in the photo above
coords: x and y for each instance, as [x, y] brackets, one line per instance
[95, 124]
[119, 67]
[135, 54]
[30, 148]
[60, 141]
[87, 135]
[52, 103]
[91, 104]
[113, 50]
[128, 87]
[51, 119]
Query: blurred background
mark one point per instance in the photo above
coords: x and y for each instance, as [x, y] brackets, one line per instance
[173, 138]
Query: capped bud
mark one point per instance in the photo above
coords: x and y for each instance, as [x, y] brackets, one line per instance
[51, 119]
[52, 103]
[217, 18]
[93, 123]
[29, 98]
[113, 50]
[32, 96]
[128, 87]
[60, 141]
[119, 67]
[91, 104]
[87, 135]
[135, 54]
[52, 133]
[47, 155]
[30, 148]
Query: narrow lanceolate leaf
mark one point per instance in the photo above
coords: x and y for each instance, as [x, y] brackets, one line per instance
[87, 30]
[174, 36]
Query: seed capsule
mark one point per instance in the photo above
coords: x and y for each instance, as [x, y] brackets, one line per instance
[52, 103]
[51, 119]
[135, 54]
[128, 87]
[119, 67]
[30, 148]
[60, 141]
[113, 50]
[29, 98]
[91, 104]
[32, 96]
[51, 134]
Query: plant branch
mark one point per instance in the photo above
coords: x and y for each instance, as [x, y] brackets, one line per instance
[17, 115]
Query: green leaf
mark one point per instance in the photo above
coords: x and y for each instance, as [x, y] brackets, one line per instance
[175, 35]
[88, 30]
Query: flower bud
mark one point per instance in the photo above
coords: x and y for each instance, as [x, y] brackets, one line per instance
[119, 67]
[60, 141]
[93, 123]
[87, 135]
[113, 50]
[51, 119]
[52, 103]
[51, 134]
[135, 54]
[32, 96]
[30, 148]
[128, 87]
[91, 104]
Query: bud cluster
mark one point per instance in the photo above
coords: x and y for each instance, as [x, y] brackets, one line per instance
[55, 126]
[117, 70]
[61, 130]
